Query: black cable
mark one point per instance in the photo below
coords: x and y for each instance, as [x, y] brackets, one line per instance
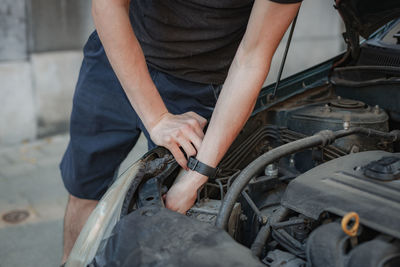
[265, 230]
[261, 219]
[288, 223]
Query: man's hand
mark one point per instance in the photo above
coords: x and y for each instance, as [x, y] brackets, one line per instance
[175, 131]
[182, 195]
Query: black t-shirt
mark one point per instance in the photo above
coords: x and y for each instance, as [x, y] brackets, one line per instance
[195, 40]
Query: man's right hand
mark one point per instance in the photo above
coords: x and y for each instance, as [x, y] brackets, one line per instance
[128, 62]
[175, 131]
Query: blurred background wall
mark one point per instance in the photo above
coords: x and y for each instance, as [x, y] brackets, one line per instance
[40, 56]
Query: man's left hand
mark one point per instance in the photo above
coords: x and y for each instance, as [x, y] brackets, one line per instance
[182, 195]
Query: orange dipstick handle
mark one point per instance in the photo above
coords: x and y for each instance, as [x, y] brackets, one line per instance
[345, 223]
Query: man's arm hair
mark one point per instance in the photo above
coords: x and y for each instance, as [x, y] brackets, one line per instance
[111, 18]
[267, 24]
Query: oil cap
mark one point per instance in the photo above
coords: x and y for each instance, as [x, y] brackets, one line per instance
[385, 169]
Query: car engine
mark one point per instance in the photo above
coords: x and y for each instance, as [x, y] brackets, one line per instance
[329, 203]
[316, 188]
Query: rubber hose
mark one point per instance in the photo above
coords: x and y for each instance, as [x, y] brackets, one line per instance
[265, 231]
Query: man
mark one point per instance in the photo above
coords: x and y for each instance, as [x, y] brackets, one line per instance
[158, 69]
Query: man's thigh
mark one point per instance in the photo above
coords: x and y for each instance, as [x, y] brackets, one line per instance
[103, 128]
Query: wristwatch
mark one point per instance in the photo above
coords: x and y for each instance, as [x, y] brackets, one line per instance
[202, 168]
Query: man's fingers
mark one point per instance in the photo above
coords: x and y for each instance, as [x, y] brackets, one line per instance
[202, 121]
[197, 124]
[195, 132]
[178, 155]
[195, 139]
[175, 131]
[199, 132]
[187, 146]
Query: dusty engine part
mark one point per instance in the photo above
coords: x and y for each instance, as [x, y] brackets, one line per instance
[263, 140]
[156, 236]
[385, 169]
[381, 251]
[346, 188]
[206, 211]
[337, 114]
[329, 246]
[279, 258]
[159, 169]
[320, 139]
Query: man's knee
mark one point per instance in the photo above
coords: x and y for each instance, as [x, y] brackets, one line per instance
[77, 203]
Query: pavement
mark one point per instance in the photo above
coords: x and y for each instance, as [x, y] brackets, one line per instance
[33, 200]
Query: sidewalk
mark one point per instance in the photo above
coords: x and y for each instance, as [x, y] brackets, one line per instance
[32, 201]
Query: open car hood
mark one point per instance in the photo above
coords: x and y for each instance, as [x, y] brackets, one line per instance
[364, 17]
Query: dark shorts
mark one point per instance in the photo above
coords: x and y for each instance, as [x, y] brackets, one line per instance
[104, 126]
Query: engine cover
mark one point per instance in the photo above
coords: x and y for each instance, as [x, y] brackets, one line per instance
[341, 185]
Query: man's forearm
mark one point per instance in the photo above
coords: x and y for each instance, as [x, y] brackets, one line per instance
[245, 78]
[126, 57]
[234, 106]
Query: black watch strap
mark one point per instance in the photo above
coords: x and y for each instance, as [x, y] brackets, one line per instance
[198, 166]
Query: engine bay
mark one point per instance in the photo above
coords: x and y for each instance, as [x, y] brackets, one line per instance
[291, 211]
[316, 187]
[313, 179]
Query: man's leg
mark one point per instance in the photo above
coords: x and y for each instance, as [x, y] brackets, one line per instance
[76, 215]
[103, 129]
